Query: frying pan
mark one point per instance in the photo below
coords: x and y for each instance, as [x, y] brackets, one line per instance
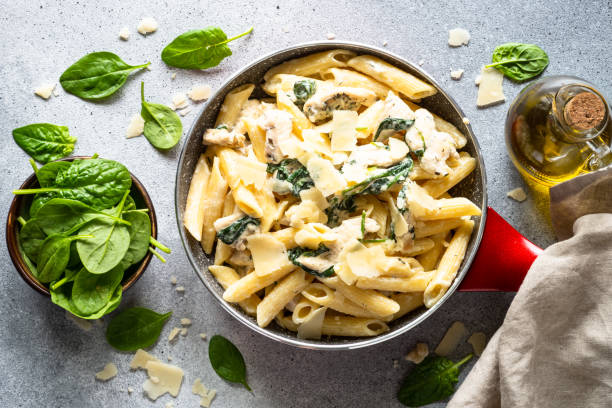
[498, 255]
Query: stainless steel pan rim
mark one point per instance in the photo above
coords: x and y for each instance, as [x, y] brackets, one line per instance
[352, 343]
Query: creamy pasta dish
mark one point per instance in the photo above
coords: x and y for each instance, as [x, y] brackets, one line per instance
[326, 204]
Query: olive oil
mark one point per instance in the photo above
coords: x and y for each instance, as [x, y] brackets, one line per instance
[558, 128]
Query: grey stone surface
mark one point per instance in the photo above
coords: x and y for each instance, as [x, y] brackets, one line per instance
[46, 360]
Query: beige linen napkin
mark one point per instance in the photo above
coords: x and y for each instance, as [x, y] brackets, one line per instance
[554, 348]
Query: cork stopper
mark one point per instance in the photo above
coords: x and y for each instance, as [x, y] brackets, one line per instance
[584, 111]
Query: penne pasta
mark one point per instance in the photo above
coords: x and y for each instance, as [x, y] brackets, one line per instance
[232, 104]
[226, 276]
[429, 228]
[408, 302]
[282, 294]
[311, 64]
[346, 77]
[212, 206]
[193, 217]
[370, 300]
[415, 283]
[251, 283]
[429, 260]
[437, 187]
[353, 326]
[323, 295]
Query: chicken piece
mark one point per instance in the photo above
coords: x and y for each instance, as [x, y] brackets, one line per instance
[373, 154]
[326, 100]
[395, 107]
[223, 137]
[278, 125]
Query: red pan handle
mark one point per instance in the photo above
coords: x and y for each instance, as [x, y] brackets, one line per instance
[503, 259]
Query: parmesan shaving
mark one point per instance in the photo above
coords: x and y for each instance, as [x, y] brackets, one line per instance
[140, 360]
[313, 325]
[184, 331]
[456, 74]
[451, 339]
[517, 194]
[344, 136]
[163, 378]
[44, 91]
[207, 395]
[173, 334]
[203, 336]
[173, 280]
[199, 93]
[180, 289]
[458, 37]
[124, 33]
[478, 341]
[269, 254]
[136, 127]
[109, 371]
[179, 101]
[147, 25]
[185, 321]
[490, 91]
[418, 353]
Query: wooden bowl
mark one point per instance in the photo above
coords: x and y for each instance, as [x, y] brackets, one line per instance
[21, 202]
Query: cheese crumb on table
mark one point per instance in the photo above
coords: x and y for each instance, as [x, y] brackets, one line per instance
[173, 280]
[44, 91]
[185, 112]
[163, 378]
[456, 74]
[490, 91]
[199, 93]
[109, 371]
[395, 364]
[331, 36]
[285, 29]
[173, 333]
[207, 395]
[136, 127]
[169, 405]
[458, 37]
[418, 353]
[140, 359]
[451, 339]
[180, 289]
[130, 390]
[478, 341]
[466, 120]
[385, 43]
[147, 25]
[203, 336]
[184, 331]
[185, 321]
[55, 92]
[179, 101]
[517, 194]
[421, 62]
[170, 358]
[124, 33]
[173, 76]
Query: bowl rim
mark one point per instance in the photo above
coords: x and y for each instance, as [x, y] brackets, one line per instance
[12, 233]
[359, 342]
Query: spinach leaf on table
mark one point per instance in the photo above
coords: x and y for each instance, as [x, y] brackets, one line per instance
[108, 246]
[61, 297]
[91, 292]
[227, 361]
[295, 253]
[389, 125]
[97, 75]
[519, 62]
[232, 232]
[45, 142]
[135, 328]
[100, 183]
[199, 49]
[432, 380]
[54, 255]
[163, 127]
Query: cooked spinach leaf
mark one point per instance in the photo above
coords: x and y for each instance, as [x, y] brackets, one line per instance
[392, 124]
[45, 142]
[519, 62]
[382, 181]
[339, 209]
[227, 361]
[163, 127]
[97, 75]
[294, 173]
[232, 232]
[295, 253]
[199, 49]
[135, 328]
[303, 90]
[432, 380]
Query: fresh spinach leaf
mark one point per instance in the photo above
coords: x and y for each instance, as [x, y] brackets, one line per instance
[199, 49]
[339, 209]
[135, 328]
[31, 238]
[97, 75]
[293, 172]
[91, 292]
[69, 276]
[45, 142]
[99, 183]
[38, 201]
[227, 361]
[303, 90]
[432, 380]
[63, 215]
[61, 297]
[162, 128]
[47, 174]
[392, 124]
[140, 232]
[295, 253]
[108, 246]
[232, 232]
[54, 255]
[382, 181]
[519, 62]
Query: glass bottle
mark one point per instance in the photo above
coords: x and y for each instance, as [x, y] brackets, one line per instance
[557, 128]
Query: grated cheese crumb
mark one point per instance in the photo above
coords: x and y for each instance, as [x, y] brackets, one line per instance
[179, 101]
[173, 280]
[395, 364]
[140, 359]
[203, 336]
[421, 62]
[477, 79]
[180, 289]
[124, 33]
[169, 405]
[517, 194]
[478, 341]
[56, 92]
[466, 121]
[170, 358]
[135, 128]
[185, 112]
[207, 395]
[331, 36]
[199, 93]
[109, 371]
[130, 390]
[418, 353]
[147, 25]
[458, 37]
[385, 43]
[184, 331]
[457, 74]
[185, 321]
[45, 91]
[173, 76]
[285, 29]
[173, 334]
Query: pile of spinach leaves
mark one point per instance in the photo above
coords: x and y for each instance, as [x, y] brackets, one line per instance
[83, 233]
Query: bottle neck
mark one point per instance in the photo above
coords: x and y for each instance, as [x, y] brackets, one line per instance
[578, 114]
